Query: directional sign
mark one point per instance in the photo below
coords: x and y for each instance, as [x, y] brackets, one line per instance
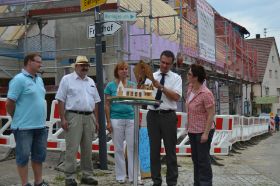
[120, 16]
[108, 28]
[88, 4]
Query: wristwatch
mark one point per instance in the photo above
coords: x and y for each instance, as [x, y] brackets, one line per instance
[161, 88]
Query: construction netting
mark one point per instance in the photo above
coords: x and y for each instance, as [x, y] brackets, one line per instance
[238, 58]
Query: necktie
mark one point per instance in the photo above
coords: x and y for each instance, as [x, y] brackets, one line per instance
[159, 92]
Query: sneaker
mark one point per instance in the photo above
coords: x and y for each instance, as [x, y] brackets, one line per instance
[70, 182]
[139, 182]
[121, 181]
[89, 181]
[42, 184]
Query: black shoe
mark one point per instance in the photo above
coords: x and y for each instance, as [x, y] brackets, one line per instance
[70, 182]
[89, 181]
[42, 184]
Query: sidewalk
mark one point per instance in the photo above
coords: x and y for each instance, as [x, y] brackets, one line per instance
[256, 165]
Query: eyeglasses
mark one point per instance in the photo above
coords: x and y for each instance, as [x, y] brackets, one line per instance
[37, 61]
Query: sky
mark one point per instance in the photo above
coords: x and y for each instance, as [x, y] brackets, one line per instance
[254, 15]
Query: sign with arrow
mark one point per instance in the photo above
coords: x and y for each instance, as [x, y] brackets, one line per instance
[89, 4]
[120, 16]
[108, 28]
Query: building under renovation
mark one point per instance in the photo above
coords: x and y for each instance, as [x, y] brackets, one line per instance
[192, 29]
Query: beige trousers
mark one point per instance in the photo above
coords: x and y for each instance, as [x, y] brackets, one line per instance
[80, 133]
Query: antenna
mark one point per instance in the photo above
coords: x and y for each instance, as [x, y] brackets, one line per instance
[264, 32]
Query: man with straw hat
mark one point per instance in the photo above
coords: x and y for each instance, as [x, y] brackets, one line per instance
[77, 96]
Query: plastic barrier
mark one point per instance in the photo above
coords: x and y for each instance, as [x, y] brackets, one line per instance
[57, 143]
[5, 140]
[54, 142]
[221, 142]
[229, 130]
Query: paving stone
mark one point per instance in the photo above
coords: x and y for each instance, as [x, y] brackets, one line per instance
[239, 170]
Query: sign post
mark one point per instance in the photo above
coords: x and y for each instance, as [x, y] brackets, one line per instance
[100, 85]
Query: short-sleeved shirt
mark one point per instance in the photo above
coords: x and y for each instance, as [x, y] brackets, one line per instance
[173, 82]
[196, 109]
[78, 94]
[118, 110]
[28, 92]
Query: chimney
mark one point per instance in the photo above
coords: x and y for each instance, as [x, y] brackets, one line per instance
[258, 36]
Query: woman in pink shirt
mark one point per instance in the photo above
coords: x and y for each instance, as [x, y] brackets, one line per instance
[200, 106]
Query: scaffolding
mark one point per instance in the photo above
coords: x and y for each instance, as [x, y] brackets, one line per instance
[237, 57]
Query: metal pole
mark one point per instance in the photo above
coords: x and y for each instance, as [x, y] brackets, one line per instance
[136, 139]
[40, 25]
[99, 80]
[151, 33]
[181, 28]
[25, 28]
[119, 35]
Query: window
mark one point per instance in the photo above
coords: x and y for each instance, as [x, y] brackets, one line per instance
[278, 91]
[276, 74]
[272, 59]
[270, 73]
[266, 91]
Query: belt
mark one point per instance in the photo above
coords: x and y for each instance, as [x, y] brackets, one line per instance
[80, 112]
[162, 111]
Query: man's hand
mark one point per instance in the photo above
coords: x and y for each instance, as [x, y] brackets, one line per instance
[204, 138]
[64, 124]
[96, 127]
[157, 84]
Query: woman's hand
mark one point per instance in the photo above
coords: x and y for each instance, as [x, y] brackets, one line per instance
[109, 127]
[204, 138]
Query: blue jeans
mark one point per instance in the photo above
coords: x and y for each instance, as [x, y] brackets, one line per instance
[32, 141]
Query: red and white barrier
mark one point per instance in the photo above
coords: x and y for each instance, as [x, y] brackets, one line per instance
[229, 130]
[221, 142]
[6, 140]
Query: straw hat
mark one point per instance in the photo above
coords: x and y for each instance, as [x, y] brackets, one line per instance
[80, 60]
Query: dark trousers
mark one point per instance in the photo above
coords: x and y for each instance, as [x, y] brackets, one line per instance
[277, 126]
[163, 126]
[201, 159]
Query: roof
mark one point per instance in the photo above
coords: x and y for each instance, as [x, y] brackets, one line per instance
[263, 47]
[241, 29]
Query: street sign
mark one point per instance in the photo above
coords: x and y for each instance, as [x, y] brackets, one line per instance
[88, 4]
[120, 16]
[108, 28]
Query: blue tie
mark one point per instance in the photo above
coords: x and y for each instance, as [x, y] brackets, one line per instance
[159, 92]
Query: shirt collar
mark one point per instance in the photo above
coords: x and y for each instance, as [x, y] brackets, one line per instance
[76, 76]
[201, 89]
[168, 73]
[28, 74]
